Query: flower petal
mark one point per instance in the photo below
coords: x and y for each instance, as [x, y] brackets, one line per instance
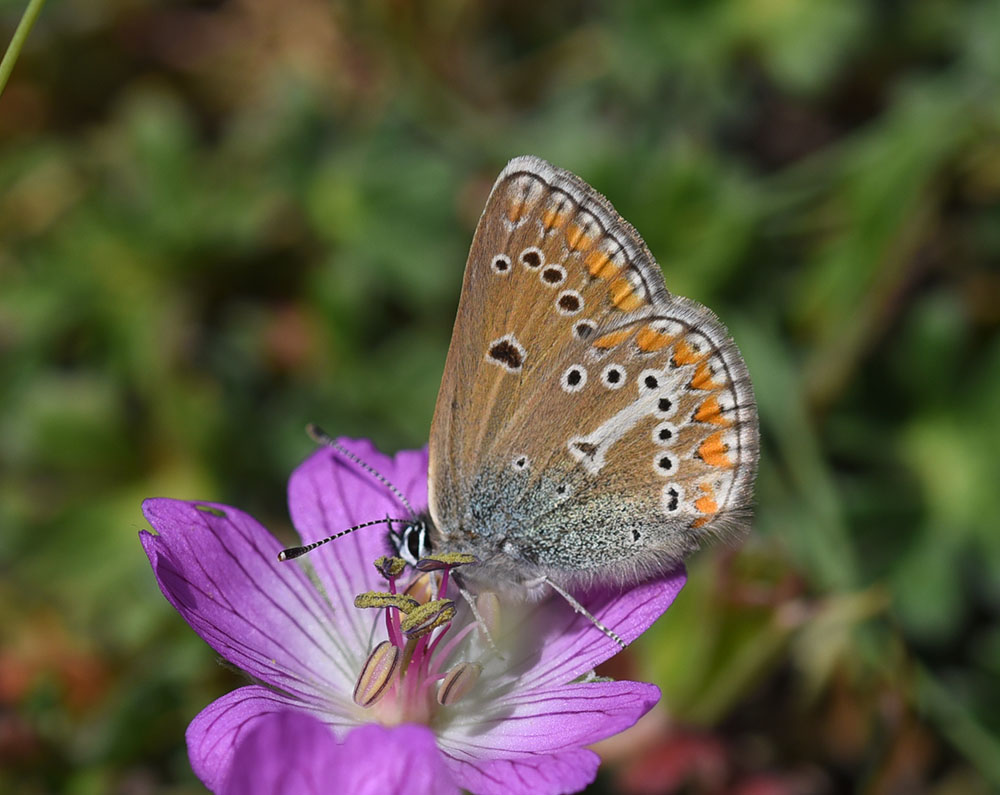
[381, 760]
[215, 733]
[219, 568]
[549, 774]
[285, 753]
[550, 720]
[567, 645]
[292, 752]
[327, 494]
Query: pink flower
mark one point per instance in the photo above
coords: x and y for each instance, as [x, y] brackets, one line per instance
[517, 723]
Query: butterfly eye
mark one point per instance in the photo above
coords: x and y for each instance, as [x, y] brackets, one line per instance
[414, 543]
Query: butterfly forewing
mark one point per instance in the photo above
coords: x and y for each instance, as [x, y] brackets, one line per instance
[588, 421]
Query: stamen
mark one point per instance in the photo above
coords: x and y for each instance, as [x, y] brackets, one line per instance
[423, 588]
[380, 599]
[426, 617]
[446, 560]
[377, 675]
[390, 567]
[458, 683]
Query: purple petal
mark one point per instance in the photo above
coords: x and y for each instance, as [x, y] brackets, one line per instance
[285, 753]
[381, 760]
[570, 771]
[570, 645]
[290, 752]
[219, 568]
[546, 721]
[327, 494]
[215, 733]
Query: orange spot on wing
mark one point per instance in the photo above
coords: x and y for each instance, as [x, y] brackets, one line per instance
[612, 339]
[705, 504]
[623, 295]
[649, 340]
[711, 411]
[553, 219]
[515, 210]
[599, 264]
[685, 354]
[576, 239]
[702, 378]
[713, 452]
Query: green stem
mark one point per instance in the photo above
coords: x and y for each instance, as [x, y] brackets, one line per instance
[14, 50]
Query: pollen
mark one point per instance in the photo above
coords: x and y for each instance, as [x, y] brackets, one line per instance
[427, 617]
[381, 599]
[445, 560]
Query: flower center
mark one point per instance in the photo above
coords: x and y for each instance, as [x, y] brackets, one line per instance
[405, 678]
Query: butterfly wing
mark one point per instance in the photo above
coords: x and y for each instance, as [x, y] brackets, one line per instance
[589, 424]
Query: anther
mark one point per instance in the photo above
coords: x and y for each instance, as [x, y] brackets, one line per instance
[458, 683]
[380, 599]
[422, 588]
[390, 567]
[446, 560]
[427, 617]
[377, 675]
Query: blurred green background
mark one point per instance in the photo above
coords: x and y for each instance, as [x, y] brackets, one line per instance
[222, 220]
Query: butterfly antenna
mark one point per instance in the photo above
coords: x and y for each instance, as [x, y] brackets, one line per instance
[296, 552]
[579, 608]
[320, 436]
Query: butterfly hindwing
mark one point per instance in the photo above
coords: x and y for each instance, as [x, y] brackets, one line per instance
[587, 420]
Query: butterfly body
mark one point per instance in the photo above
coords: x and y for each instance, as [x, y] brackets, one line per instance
[590, 427]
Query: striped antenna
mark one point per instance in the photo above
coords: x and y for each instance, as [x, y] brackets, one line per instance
[296, 552]
[320, 436]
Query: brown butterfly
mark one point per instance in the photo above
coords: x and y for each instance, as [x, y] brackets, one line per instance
[591, 427]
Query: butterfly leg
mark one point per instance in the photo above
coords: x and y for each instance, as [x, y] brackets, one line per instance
[471, 600]
[579, 608]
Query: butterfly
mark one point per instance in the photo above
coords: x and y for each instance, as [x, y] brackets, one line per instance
[591, 427]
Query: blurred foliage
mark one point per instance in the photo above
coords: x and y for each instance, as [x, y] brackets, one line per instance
[222, 220]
